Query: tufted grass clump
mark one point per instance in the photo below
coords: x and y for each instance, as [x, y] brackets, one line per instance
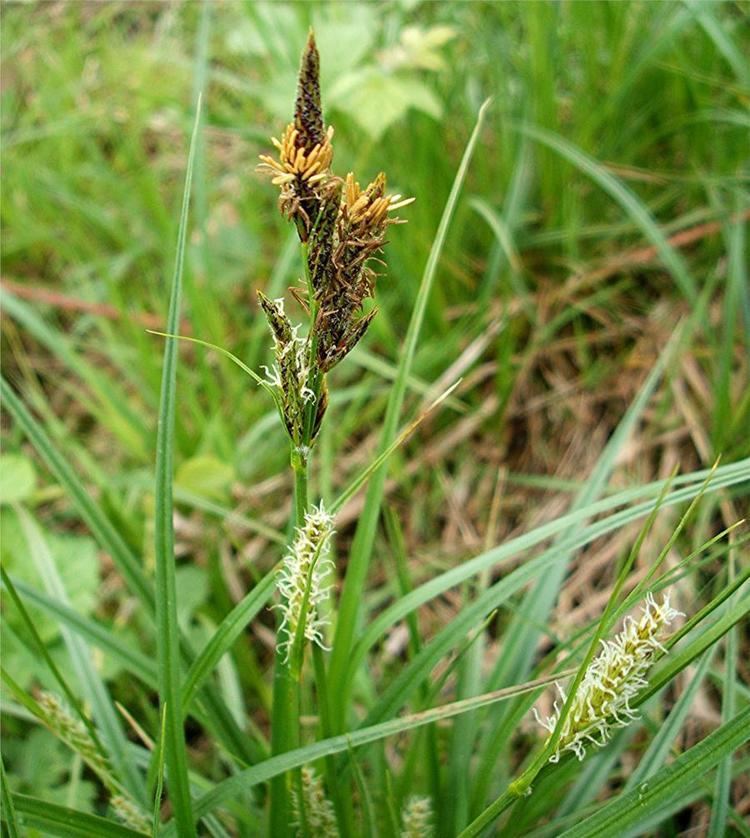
[351, 629]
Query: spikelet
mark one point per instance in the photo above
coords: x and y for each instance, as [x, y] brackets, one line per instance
[130, 813]
[417, 818]
[614, 677]
[361, 225]
[61, 722]
[302, 580]
[291, 372]
[319, 815]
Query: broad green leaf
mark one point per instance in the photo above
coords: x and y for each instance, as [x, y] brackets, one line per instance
[376, 100]
[205, 476]
[17, 478]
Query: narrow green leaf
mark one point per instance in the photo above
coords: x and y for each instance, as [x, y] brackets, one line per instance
[659, 747]
[359, 557]
[103, 711]
[276, 765]
[8, 810]
[126, 562]
[647, 805]
[627, 199]
[723, 784]
[91, 514]
[225, 634]
[530, 569]
[522, 636]
[59, 820]
[159, 788]
[94, 633]
[167, 630]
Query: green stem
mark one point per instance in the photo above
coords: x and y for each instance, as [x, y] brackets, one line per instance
[286, 697]
[517, 789]
[299, 467]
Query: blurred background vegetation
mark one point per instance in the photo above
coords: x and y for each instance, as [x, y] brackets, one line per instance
[607, 202]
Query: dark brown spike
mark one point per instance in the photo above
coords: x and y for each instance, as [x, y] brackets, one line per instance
[321, 408]
[308, 113]
[277, 319]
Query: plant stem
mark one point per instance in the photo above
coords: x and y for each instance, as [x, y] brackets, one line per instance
[517, 789]
[285, 725]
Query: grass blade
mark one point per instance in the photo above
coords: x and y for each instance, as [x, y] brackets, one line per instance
[59, 820]
[107, 719]
[627, 199]
[361, 550]
[8, 810]
[225, 634]
[97, 635]
[167, 631]
[645, 806]
[282, 763]
[658, 750]
[92, 515]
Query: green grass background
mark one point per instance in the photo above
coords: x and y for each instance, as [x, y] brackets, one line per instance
[606, 202]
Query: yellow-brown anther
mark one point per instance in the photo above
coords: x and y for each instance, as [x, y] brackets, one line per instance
[302, 169]
[295, 161]
[342, 225]
[370, 206]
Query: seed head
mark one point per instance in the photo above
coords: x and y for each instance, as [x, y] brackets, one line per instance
[617, 674]
[130, 813]
[417, 818]
[319, 815]
[75, 735]
[308, 114]
[302, 580]
[291, 372]
[363, 218]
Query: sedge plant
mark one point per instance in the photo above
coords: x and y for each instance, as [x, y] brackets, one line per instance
[352, 777]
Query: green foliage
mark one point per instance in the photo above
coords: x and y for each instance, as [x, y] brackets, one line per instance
[579, 262]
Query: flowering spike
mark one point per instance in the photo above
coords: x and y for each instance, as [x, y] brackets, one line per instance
[130, 813]
[74, 734]
[617, 674]
[291, 372]
[416, 818]
[319, 815]
[302, 580]
[308, 114]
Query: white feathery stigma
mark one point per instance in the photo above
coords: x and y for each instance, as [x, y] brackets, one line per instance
[613, 678]
[303, 577]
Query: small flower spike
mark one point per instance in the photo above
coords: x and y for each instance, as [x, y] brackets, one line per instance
[417, 819]
[74, 734]
[361, 225]
[614, 677]
[71, 730]
[302, 580]
[319, 815]
[302, 170]
[290, 374]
